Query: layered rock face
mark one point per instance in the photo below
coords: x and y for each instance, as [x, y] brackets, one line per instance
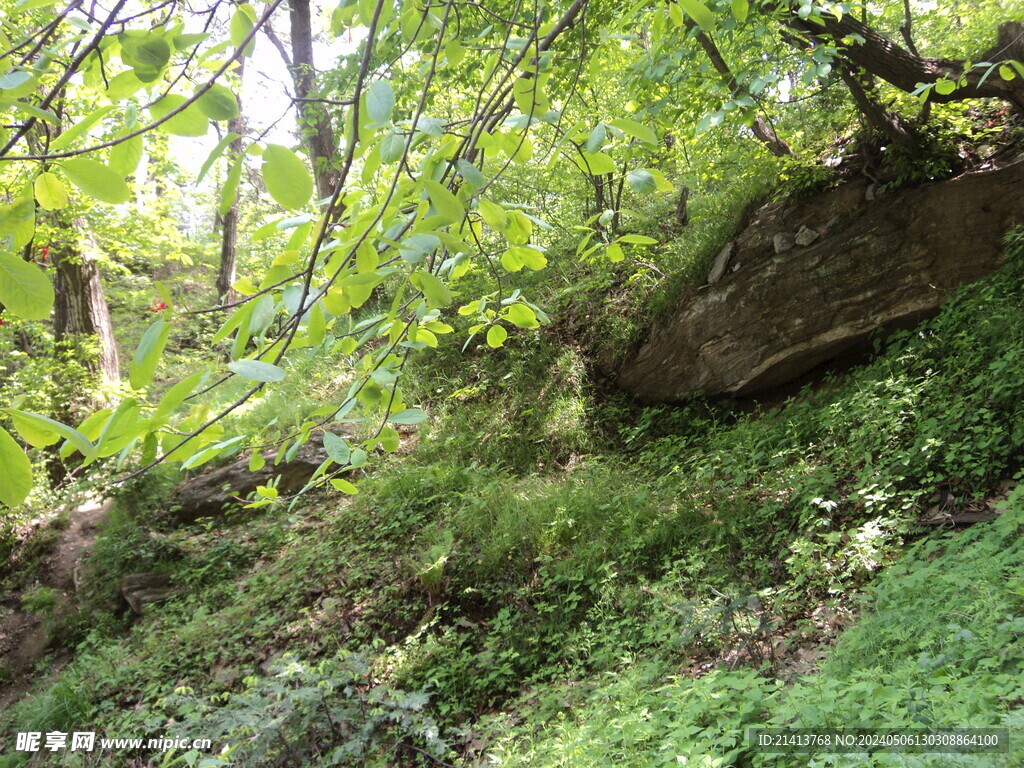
[807, 281]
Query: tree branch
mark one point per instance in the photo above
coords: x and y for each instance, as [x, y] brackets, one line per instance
[881, 57]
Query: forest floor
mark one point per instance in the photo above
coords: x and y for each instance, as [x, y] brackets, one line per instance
[25, 634]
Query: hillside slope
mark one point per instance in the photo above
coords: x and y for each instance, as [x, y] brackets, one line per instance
[558, 578]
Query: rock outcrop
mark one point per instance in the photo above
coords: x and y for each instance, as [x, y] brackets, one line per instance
[207, 494]
[807, 281]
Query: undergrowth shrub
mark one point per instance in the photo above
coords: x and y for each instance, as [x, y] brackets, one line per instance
[329, 713]
[938, 647]
[825, 488]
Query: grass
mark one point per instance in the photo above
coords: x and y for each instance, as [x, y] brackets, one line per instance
[555, 578]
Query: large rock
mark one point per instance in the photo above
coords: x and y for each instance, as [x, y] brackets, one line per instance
[207, 494]
[885, 263]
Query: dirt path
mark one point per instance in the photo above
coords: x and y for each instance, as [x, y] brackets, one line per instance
[24, 636]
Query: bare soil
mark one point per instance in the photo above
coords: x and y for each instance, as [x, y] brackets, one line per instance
[25, 635]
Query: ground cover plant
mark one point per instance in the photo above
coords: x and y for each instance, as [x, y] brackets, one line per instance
[419, 240]
[642, 607]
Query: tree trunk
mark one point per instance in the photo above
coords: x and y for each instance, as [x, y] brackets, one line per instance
[682, 214]
[891, 125]
[80, 306]
[226, 275]
[876, 54]
[314, 122]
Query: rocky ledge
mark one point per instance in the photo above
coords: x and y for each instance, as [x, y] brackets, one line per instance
[807, 281]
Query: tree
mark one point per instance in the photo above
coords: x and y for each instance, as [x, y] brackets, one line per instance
[80, 306]
[227, 271]
[411, 230]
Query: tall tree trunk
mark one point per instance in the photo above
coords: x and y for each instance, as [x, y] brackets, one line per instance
[229, 232]
[82, 330]
[80, 306]
[314, 122]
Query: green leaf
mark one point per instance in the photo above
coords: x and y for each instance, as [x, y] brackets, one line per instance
[46, 424]
[287, 179]
[528, 95]
[241, 25]
[740, 9]
[496, 336]
[15, 471]
[380, 102]
[641, 182]
[14, 79]
[121, 428]
[24, 290]
[699, 12]
[189, 122]
[636, 130]
[494, 215]
[344, 486]
[454, 52]
[203, 456]
[256, 462]
[256, 370]
[524, 256]
[598, 163]
[433, 288]
[337, 448]
[123, 85]
[24, 6]
[147, 50]
[147, 355]
[229, 192]
[16, 217]
[182, 42]
[392, 147]
[519, 228]
[415, 247]
[408, 416]
[522, 316]
[359, 457]
[638, 240]
[262, 314]
[32, 433]
[945, 87]
[596, 139]
[447, 205]
[31, 109]
[80, 128]
[1006, 72]
[218, 103]
[50, 191]
[389, 439]
[216, 152]
[176, 396]
[125, 157]
[97, 180]
[662, 184]
[471, 173]
[614, 252]
[510, 260]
